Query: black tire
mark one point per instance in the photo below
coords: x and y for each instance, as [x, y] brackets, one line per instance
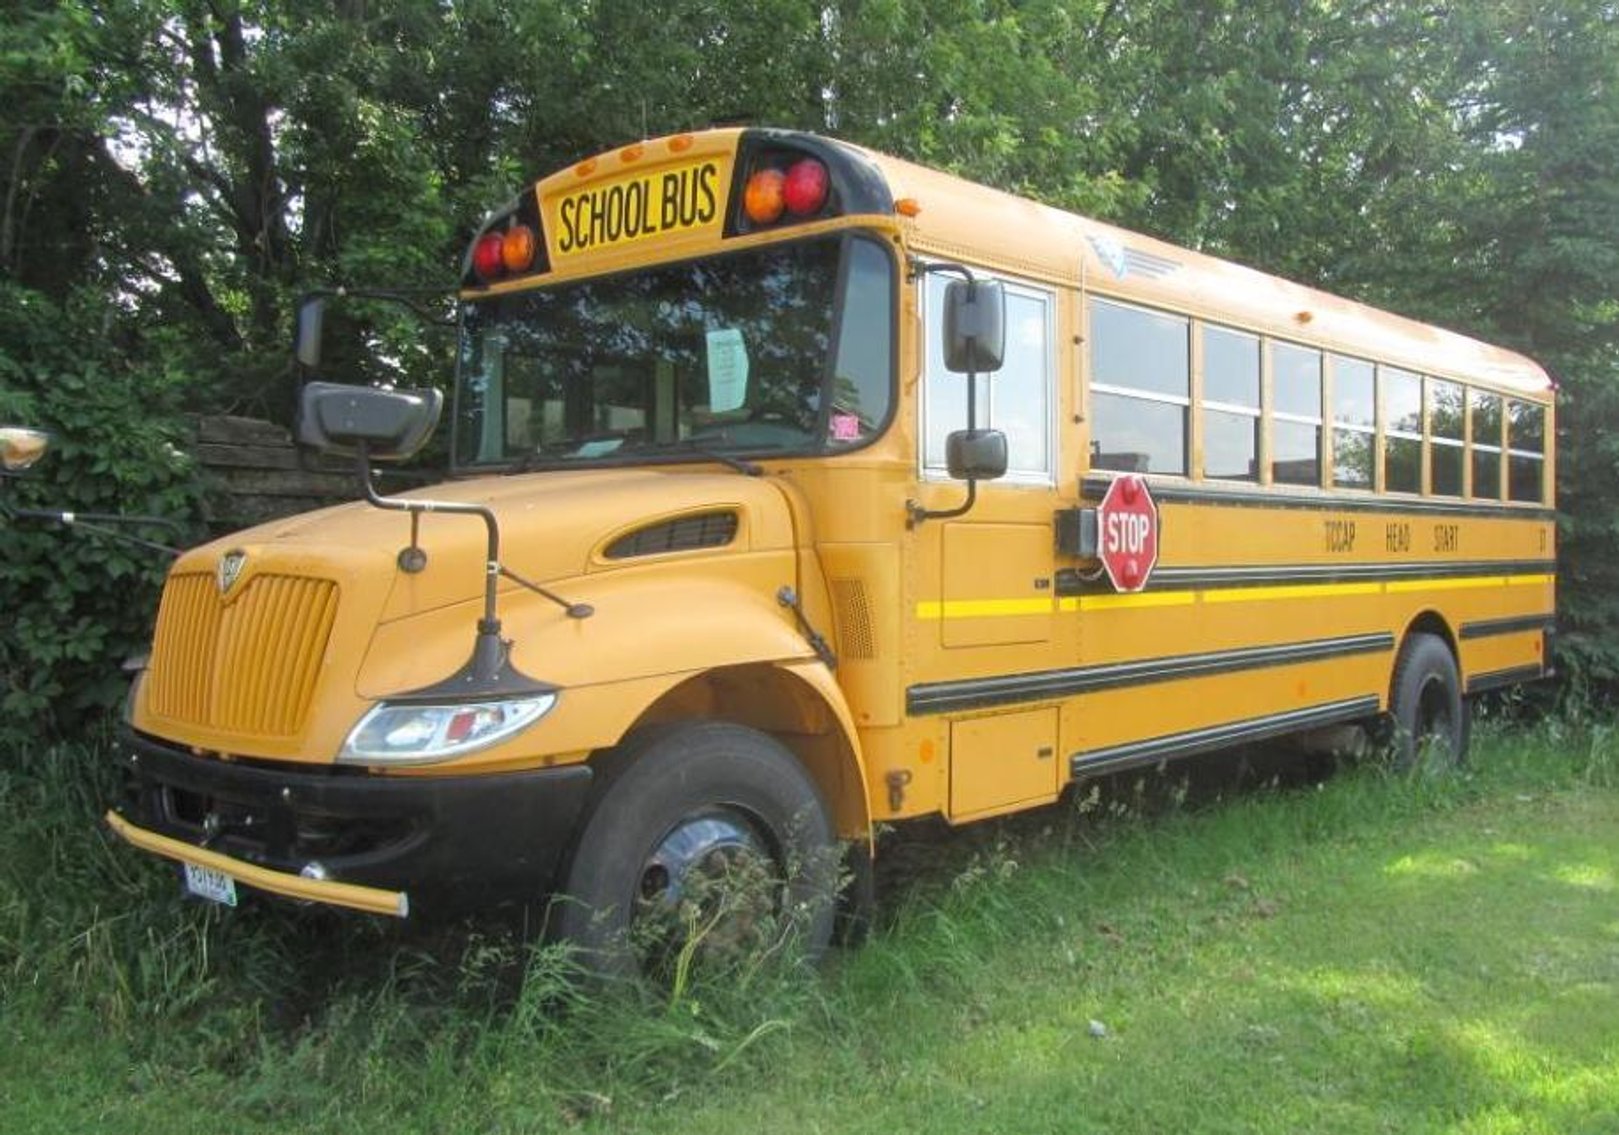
[1430, 716]
[686, 813]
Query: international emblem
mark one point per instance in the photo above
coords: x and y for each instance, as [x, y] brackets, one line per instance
[230, 569]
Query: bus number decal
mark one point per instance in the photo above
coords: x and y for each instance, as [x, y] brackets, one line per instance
[644, 206]
[1340, 535]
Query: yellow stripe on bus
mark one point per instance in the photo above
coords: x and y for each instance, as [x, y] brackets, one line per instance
[1291, 591]
[935, 610]
[1133, 599]
[982, 608]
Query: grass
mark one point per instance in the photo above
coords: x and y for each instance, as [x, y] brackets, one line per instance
[1362, 954]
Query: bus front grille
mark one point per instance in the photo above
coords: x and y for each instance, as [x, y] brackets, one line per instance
[247, 665]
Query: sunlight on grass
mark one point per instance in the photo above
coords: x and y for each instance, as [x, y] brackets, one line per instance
[1519, 852]
[1431, 865]
[1592, 876]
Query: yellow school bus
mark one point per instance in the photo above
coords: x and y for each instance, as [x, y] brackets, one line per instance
[799, 489]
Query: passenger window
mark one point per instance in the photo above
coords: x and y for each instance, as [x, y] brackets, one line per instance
[1295, 415]
[1354, 423]
[1526, 451]
[1017, 399]
[1447, 453]
[1140, 389]
[1402, 430]
[1486, 430]
[1230, 404]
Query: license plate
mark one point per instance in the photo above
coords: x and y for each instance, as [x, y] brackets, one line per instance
[206, 883]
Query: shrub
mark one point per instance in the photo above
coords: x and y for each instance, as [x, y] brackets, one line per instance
[78, 601]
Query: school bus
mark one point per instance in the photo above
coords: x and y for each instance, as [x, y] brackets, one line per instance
[798, 489]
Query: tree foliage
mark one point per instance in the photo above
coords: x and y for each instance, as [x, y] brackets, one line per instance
[176, 172]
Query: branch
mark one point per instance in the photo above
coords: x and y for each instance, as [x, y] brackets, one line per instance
[193, 280]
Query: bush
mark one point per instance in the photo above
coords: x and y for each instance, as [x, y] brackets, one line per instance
[79, 601]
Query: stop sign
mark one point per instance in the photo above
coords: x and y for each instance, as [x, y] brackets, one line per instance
[1127, 532]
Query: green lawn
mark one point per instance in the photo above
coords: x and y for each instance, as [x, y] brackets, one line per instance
[1364, 955]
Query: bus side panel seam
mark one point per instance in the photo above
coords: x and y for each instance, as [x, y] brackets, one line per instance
[1004, 689]
[1219, 736]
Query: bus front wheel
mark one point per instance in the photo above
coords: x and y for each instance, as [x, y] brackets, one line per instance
[711, 843]
[1430, 715]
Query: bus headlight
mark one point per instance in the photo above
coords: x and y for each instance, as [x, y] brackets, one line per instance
[406, 733]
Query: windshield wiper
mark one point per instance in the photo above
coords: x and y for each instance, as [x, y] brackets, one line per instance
[691, 445]
[542, 454]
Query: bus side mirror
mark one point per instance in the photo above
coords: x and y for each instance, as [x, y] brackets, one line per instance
[390, 425]
[311, 321]
[974, 326]
[20, 447]
[975, 455]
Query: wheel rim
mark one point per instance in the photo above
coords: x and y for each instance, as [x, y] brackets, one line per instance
[1433, 735]
[710, 883]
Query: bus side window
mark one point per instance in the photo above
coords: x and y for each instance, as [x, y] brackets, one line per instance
[1402, 430]
[1526, 451]
[1296, 415]
[1447, 454]
[1230, 404]
[1140, 389]
[1354, 423]
[1486, 440]
[1017, 399]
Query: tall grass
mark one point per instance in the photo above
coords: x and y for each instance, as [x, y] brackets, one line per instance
[301, 1017]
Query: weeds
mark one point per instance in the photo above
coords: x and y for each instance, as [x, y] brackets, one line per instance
[308, 1018]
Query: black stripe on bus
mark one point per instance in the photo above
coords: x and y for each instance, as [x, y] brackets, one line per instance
[1485, 628]
[1495, 679]
[1095, 486]
[1219, 736]
[1174, 578]
[1004, 689]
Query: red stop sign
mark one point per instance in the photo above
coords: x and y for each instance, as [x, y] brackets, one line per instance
[1127, 532]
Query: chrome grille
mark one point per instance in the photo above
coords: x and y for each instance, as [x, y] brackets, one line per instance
[248, 666]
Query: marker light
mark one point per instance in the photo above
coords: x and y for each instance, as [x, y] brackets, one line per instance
[763, 200]
[488, 256]
[806, 187]
[517, 248]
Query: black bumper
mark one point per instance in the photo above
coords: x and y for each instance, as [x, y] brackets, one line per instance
[452, 844]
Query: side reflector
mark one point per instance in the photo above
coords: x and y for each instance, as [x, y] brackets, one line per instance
[764, 199]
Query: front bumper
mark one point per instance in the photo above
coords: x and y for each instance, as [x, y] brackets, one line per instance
[388, 844]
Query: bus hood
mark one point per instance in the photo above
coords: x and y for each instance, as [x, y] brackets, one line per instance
[553, 526]
[273, 641]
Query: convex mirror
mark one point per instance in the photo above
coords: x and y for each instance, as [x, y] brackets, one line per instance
[974, 326]
[391, 425]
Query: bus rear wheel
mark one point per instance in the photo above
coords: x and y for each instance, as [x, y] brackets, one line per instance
[711, 844]
[1430, 715]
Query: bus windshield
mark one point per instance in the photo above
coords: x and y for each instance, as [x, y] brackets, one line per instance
[778, 350]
